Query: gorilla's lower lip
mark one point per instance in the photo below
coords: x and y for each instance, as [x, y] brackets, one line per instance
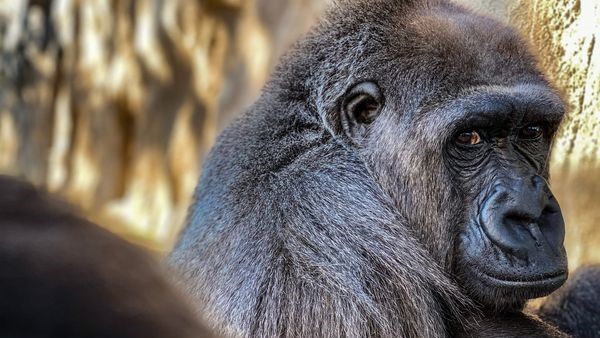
[549, 280]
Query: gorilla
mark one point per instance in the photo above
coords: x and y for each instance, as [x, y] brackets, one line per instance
[63, 277]
[390, 181]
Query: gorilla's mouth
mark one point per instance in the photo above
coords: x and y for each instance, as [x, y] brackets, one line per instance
[542, 282]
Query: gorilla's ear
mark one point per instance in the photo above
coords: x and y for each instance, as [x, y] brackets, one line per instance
[360, 106]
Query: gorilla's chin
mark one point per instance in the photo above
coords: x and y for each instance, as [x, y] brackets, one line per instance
[507, 291]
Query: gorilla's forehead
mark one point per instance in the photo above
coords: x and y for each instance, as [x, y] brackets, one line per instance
[440, 52]
[465, 48]
[418, 52]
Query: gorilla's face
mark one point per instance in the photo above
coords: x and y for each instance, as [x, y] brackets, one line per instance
[463, 152]
[470, 176]
[510, 244]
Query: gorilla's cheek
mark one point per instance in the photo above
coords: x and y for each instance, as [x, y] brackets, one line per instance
[512, 246]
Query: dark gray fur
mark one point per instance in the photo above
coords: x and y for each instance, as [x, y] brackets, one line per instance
[575, 308]
[64, 277]
[295, 231]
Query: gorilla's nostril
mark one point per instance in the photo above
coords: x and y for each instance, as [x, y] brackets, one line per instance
[536, 233]
[519, 218]
[524, 227]
[550, 210]
[523, 218]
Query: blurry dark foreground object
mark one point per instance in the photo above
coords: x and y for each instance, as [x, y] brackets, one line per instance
[61, 276]
[575, 308]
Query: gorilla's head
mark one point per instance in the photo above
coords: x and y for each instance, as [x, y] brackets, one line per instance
[455, 122]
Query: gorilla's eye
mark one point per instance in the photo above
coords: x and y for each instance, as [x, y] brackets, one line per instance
[468, 138]
[531, 132]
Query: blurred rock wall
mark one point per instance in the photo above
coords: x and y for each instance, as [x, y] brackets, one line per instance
[114, 103]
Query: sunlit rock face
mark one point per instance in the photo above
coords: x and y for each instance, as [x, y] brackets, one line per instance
[114, 104]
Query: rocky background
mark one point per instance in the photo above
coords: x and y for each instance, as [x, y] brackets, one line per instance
[113, 104]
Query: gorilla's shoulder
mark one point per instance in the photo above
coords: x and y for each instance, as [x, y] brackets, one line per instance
[575, 307]
[17, 198]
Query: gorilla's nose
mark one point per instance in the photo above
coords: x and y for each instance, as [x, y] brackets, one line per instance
[522, 218]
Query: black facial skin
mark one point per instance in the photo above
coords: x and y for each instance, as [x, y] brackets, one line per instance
[511, 247]
[346, 201]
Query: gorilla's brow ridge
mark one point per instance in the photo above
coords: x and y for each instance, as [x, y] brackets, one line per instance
[492, 105]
